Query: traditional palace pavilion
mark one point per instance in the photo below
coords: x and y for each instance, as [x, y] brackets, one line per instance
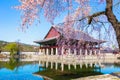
[49, 46]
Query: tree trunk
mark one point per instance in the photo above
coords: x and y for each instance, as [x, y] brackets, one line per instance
[112, 19]
[117, 30]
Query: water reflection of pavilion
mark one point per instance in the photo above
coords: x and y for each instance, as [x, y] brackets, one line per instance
[66, 70]
[73, 64]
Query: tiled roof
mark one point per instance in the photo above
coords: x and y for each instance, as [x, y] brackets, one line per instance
[45, 40]
[79, 35]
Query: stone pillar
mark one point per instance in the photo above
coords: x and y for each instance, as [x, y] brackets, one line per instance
[86, 52]
[75, 53]
[39, 51]
[80, 51]
[51, 51]
[99, 52]
[47, 52]
[62, 51]
[95, 52]
[56, 51]
[69, 51]
[90, 52]
[43, 51]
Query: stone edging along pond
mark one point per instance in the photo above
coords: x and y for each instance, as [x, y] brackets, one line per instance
[113, 76]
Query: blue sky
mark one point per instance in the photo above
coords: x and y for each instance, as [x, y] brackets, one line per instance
[10, 21]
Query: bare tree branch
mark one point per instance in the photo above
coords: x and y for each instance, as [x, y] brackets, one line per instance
[95, 15]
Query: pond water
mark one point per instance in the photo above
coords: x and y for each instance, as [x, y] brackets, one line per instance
[71, 69]
[15, 70]
[62, 70]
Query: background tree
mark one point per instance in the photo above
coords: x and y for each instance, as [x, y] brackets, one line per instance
[12, 48]
[85, 15]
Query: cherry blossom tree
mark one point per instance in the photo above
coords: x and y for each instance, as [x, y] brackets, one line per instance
[85, 15]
